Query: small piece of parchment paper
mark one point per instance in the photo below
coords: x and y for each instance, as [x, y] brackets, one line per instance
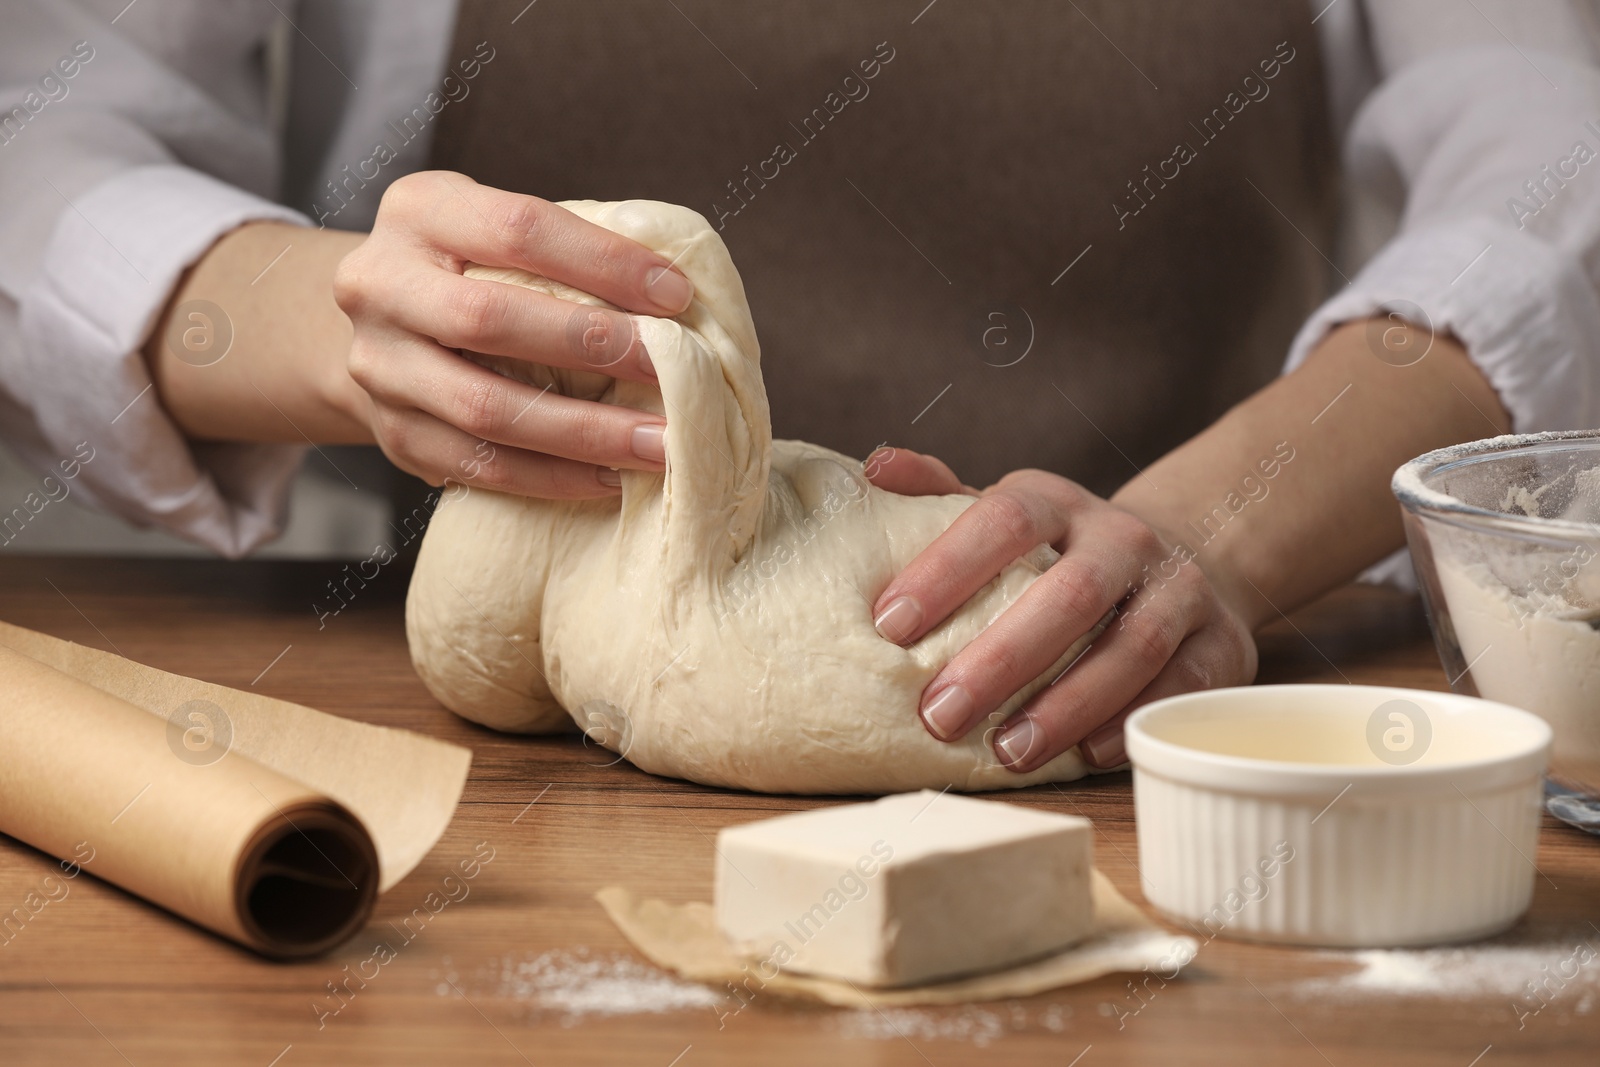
[684, 938]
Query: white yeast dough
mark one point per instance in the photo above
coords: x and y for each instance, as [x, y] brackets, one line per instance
[714, 623]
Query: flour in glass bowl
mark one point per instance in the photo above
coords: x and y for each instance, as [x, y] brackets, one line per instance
[1527, 621]
[1540, 653]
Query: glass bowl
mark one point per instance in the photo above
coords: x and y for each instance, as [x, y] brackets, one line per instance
[1505, 536]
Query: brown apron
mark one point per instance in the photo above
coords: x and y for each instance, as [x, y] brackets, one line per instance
[1056, 235]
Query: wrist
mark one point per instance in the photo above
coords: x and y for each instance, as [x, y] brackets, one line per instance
[347, 418]
[283, 376]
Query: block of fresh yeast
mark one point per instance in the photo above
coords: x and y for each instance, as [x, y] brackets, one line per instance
[906, 890]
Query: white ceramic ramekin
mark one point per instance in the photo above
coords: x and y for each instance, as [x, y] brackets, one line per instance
[1337, 815]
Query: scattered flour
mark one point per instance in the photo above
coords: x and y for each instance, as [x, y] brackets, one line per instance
[977, 1025]
[1533, 974]
[982, 1026]
[579, 984]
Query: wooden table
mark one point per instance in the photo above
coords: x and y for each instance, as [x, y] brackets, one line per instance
[100, 978]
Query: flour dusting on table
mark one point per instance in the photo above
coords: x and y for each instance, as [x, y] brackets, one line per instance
[579, 984]
[1531, 975]
[980, 1026]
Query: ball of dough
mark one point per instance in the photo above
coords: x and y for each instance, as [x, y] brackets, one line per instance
[714, 622]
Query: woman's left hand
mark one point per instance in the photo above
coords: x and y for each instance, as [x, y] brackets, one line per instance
[1172, 634]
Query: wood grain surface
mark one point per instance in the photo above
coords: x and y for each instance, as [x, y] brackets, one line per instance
[97, 977]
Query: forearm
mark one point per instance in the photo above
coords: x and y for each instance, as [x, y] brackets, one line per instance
[1270, 544]
[283, 377]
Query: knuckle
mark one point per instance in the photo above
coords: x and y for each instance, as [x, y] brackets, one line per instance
[362, 365]
[589, 431]
[409, 192]
[932, 575]
[1011, 521]
[476, 311]
[1060, 703]
[395, 435]
[1076, 592]
[1022, 476]
[478, 406]
[493, 472]
[352, 288]
[519, 220]
[1151, 638]
[1004, 674]
[1194, 592]
[411, 466]
[1192, 674]
[1048, 485]
[613, 259]
[1144, 541]
[1238, 651]
[599, 338]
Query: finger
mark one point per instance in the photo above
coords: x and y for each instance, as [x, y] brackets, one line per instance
[900, 470]
[1105, 748]
[1120, 664]
[491, 407]
[984, 540]
[438, 453]
[496, 228]
[1033, 633]
[500, 319]
[1207, 659]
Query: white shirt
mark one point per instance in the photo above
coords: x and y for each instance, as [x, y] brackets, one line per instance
[181, 119]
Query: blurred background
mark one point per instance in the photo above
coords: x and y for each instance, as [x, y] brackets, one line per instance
[329, 517]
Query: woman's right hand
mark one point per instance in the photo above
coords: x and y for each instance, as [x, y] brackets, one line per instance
[431, 409]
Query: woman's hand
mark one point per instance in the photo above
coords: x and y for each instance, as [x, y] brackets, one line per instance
[431, 408]
[1172, 632]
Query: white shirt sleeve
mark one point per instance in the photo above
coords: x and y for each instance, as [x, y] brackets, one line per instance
[1473, 202]
[1483, 107]
[103, 214]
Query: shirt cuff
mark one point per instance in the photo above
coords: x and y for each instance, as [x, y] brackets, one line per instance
[1524, 309]
[111, 265]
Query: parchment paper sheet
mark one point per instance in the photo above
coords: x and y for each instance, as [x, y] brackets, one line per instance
[91, 753]
[684, 938]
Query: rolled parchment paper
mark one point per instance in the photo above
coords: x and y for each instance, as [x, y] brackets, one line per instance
[266, 822]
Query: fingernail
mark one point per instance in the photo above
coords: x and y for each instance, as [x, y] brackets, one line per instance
[899, 620]
[646, 364]
[607, 476]
[1106, 750]
[947, 712]
[1016, 741]
[668, 288]
[650, 442]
